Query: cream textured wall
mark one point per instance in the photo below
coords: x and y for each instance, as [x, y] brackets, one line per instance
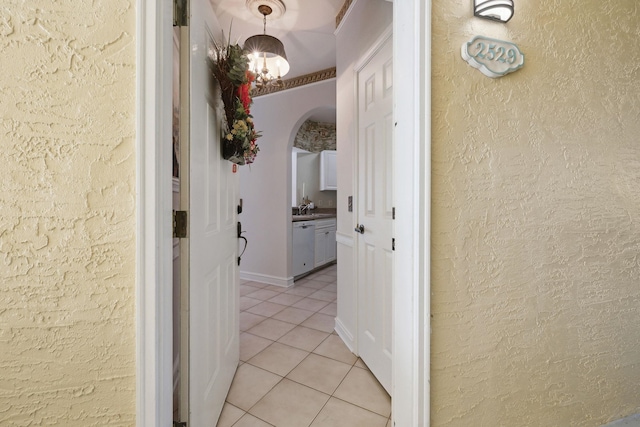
[67, 230]
[536, 218]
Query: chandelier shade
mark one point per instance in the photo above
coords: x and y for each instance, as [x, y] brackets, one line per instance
[265, 51]
[268, 62]
[495, 10]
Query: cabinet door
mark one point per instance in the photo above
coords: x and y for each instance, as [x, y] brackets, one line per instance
[328, 170]
[320, 248]
[325, 246]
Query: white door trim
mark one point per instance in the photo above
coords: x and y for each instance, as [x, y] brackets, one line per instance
[373, 49]
[412, 51]
[153, 215]
[412, 168]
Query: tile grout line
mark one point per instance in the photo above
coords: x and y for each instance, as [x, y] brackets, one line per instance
[309, 352]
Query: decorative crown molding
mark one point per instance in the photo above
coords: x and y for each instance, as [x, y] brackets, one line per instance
[343, 12]
[318, 76]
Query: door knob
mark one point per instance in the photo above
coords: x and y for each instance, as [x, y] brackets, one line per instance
[360, 229]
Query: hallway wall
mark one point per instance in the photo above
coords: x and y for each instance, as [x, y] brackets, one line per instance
[536, 219]
[265, 186]
[365, 22]
[67, 245]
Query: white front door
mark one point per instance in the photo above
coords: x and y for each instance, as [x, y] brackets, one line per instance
[374, 212]
[209, 190]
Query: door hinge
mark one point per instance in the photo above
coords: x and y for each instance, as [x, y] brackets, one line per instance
[180, 224]
[393, 243]
[393, 213]
[180, 13]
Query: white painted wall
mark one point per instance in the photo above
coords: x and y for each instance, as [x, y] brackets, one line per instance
[359, 29]
[307, 176]
[265, 186]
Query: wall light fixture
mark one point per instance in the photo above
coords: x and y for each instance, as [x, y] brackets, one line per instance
[495, 10]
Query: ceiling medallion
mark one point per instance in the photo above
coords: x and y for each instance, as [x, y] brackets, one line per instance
[277, 8]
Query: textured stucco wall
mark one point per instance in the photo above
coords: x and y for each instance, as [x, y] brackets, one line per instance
[315, 137]
[536, 218]
[67, 230]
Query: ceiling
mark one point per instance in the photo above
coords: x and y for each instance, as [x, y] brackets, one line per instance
[306, 30]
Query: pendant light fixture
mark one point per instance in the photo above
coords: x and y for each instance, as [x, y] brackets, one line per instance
[495, 10]
[266, 53]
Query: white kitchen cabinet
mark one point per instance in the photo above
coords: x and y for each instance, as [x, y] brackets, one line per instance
[325, 241]
[328, 170]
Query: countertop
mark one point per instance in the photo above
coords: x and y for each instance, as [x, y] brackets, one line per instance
[312, 216]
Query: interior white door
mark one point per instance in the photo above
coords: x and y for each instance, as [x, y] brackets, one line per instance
[374, 212]
[210, 350]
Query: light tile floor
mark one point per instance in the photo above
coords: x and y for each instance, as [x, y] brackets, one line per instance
[294, 369]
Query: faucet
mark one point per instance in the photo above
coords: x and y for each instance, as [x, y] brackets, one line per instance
[302, 207]
[305, 205]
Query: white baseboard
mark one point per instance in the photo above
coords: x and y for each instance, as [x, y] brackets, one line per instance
[285, 282]
[630, 421]
[346, 336]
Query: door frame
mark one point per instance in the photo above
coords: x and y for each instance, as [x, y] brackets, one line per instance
[154, 247]
[412, 193]
[411, 305]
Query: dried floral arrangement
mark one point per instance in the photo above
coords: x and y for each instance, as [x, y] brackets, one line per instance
[230, 67]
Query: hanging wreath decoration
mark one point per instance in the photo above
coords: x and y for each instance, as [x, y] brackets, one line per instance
[230, 67]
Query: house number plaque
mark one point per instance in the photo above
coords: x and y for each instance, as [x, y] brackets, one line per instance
[494, 58]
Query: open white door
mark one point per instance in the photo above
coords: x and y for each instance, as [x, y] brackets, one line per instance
[209, 191]
[374, 210]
